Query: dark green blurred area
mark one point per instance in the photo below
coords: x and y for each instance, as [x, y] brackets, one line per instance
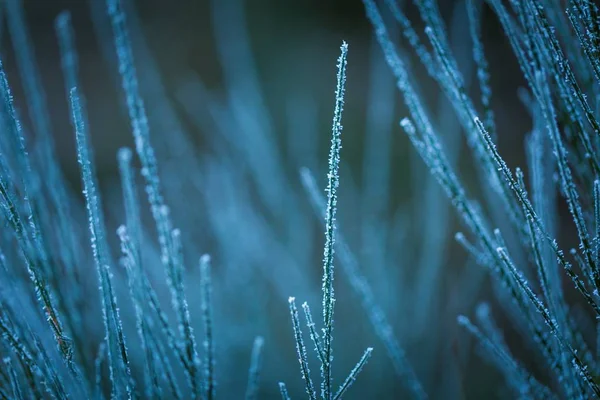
[293, 44]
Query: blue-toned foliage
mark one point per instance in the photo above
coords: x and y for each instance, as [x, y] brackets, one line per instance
[553, 78]
[67, 335]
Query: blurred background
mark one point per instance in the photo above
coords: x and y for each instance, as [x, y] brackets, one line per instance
[240, 96]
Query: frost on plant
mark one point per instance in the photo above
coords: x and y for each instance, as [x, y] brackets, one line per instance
[113, 296]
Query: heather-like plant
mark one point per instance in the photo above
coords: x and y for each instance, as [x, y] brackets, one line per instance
[161, 346]
[560, 82]
[40, 376]
[323, 344]
[69, 334]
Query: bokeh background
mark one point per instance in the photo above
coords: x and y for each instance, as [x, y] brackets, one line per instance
[240, 96]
